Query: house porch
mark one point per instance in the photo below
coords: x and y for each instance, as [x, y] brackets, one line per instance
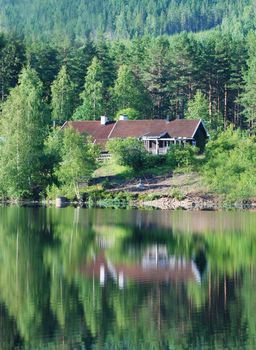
[161, 146]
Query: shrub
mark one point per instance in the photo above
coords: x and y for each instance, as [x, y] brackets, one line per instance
[230, 168]
[128, 152]
[182, 156]
[177, 194]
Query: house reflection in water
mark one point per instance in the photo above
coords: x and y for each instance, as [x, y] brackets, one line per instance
[155, 266]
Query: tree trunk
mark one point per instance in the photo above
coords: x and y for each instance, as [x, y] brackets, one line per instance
[225, 106]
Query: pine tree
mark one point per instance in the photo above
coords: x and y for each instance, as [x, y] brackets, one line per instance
[11, 61]
[93, 94]
[222, 74]
[77, 61]
[237, 66]
[248, 97]
[62, 96]
[106, 60]
[44, 58]
[157, 77]
[24, 127]
[183, 72]
[129, 92]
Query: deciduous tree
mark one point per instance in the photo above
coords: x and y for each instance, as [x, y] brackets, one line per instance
[24, 120]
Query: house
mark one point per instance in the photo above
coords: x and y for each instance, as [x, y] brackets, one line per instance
[157, 134]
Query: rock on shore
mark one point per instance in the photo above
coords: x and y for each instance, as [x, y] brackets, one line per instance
[190, 202]
[198, 202]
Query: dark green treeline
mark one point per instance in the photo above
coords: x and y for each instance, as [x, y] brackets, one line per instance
[163, 74]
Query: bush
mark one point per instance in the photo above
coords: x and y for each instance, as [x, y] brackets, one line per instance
[177, 194]
[230, 168]
[182, 157]
[145, 197]
[128, 152]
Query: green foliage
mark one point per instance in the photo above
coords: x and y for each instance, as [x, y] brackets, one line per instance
[249, 95]
[177, 193]
[93, 94]
[24, 121]
[78, 160]
[230, 166]
[12, 58]
[149, 196]
[129, 152]
[43, 57]
[208, 75]
[182, 157]
[120, 19]
[62, 96]
[131, 113]
[128, 92]
[198, 108]
[158, 77]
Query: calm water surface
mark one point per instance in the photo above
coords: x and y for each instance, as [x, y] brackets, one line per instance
[127, 279]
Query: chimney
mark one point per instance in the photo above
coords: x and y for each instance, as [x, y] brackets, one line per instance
[103, 120]
[123, 117]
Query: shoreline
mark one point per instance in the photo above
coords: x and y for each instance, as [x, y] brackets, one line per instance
[178, 192]
[191, 202]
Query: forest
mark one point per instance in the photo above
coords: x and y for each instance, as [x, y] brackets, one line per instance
[117, 19]
[157, 77]
[209, 75]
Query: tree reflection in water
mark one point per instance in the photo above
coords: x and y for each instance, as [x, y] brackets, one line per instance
[86, 278]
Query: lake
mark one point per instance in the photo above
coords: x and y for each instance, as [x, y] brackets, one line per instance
[127, 279]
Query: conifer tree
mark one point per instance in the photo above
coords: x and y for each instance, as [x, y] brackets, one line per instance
[129, 92]
[157, 77]
[183, 72]
[248, 97]
[77, 61]
[44, 58]
[198, 107]
[92, 96]
[62, 96]
[24, 120]
[11, 61]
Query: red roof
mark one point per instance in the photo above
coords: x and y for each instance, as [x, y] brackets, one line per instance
[135, 128]
[183, 127]
[98, 132]
[138, 128]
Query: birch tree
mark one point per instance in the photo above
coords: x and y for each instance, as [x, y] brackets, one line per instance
[24, 122]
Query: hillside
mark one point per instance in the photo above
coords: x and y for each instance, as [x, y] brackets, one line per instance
[78, 19]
